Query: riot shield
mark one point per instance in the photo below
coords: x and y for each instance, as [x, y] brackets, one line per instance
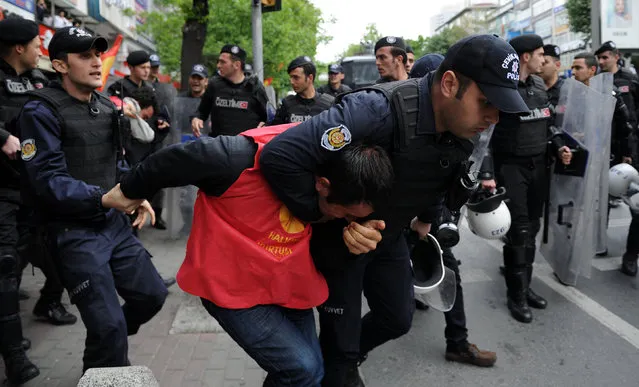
[585, 114]
[180, 200]
[604, 85]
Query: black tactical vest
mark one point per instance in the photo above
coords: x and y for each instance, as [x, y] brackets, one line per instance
[300, 110]
[235, 107]
[525, 135]
[13, 95]
[426, 165]
[626, 83]
[90, 136]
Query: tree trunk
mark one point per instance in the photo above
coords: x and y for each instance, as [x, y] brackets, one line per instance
[193, 38]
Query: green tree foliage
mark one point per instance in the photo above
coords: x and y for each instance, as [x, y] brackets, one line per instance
[437, 43]
[366, 44]
[295, 30]
[579, 16]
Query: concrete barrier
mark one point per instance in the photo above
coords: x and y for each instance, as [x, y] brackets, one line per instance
[134, 376]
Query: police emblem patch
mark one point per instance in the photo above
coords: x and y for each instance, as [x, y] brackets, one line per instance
[235, 49]
[391, 39]
[335, 139]
[28, 149]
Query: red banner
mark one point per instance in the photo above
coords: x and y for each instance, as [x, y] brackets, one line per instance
[46, 33]
[108, 58]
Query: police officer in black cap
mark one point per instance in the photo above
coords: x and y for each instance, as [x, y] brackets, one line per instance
[335, 78]
[425, 125]
[550, 72]
[234, 102]
[19, 52]
[519, 155]
[391, 59]
[306, 102]
[70, 146]
[625, 81]
[139, 63]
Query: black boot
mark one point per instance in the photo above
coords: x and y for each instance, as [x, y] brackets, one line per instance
[629, 264]
[353, 379]
[159, 223]
[53, 312]
[17, 366]
[517, 283]
[534, 300]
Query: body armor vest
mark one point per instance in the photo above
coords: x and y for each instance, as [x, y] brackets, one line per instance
[426, 165]
[235, 108]
[299, 110]
[90, 135]
[525, 135]
[14, 91]
[624, 81]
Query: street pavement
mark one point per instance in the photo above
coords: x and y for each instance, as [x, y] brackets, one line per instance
[588, 336]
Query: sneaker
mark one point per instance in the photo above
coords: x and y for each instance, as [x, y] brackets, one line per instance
[470, 354]
[54, 313]
[629, 264]
[168, 282]
[159, 224]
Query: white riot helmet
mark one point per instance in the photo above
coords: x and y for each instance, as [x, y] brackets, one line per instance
[619, 178]
[487, 214]
[433, 283]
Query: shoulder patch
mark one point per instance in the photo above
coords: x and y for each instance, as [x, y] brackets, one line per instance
[336, 138]
[28, 149]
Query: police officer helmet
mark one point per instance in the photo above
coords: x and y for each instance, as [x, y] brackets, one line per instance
[488, 216]
[619, 178]
[428, 265]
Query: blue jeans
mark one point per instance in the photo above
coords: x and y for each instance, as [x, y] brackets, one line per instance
[282, 341]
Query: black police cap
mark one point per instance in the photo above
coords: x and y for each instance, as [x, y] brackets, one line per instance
[493, 64]
[425, 65]
[526, 43]
[234, 50]
[155, 60]
[74, 40]
[335, 69]
[552, 50]
[607, 46]
[391, 41]
[409, 49]
[137, 58]
[299, 62]
[16, 30]
[199, 69]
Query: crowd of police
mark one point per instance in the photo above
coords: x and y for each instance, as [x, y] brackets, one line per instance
[65, 146]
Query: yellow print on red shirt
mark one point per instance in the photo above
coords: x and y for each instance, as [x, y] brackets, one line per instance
[279, 244]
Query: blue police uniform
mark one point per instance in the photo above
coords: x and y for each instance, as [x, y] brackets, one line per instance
[68, 170]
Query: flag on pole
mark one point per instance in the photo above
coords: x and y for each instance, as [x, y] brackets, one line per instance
[108, 58]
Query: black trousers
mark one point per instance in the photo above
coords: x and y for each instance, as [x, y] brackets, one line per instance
[385, 277]
[455, 332]
[10, 325]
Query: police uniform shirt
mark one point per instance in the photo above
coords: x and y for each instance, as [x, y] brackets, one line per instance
[233, 108]
[124, 88]
[13, 95]
[628, 86]
[290, 161]
[294, 108]
[554, 91]
[328, 89]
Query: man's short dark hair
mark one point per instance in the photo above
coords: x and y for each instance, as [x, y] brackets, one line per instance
[396, 51]
[464, 81]
[309, 69]
[360, 174]
[145, 97]
[589, 59]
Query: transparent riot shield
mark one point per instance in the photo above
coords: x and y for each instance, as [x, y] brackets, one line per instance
[585, 114]
[180, 200]
[603, 84]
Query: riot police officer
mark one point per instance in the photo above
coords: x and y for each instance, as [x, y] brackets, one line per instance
[519, 156]
[390, 59]
[584, 67]
[335, 78]
[19, 52]
[550, 73]
[458, 348]
[306, 103]
[70, 145]
[198, 79]
[139, 63]
[453, 104]
[410, 58]
[625, 81]
[234, 102]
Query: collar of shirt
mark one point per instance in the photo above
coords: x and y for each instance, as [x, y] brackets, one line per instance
[6, 68]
